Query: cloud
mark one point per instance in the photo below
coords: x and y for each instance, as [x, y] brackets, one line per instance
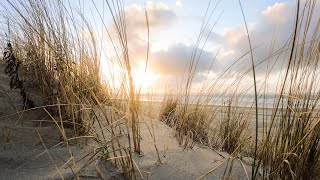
[176, 59]
[233, 42]
[171, 62]
[276, 20]
[276, 13]
[160, 17]
[178, 3]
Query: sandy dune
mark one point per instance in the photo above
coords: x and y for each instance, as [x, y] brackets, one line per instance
[29, 150]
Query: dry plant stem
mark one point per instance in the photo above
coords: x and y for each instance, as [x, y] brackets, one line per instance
[255, 92]
[46, 150]
[66, 69]
[148, 35]
[154, 141]
[226, 161]
[211, 170]
[282, 87]
[65, 139]
[244, 169]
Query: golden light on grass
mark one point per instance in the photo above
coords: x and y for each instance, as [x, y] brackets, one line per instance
[144, 79]
[118, 111]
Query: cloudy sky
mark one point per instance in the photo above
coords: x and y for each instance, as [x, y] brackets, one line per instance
[210, 32]
[174, 30]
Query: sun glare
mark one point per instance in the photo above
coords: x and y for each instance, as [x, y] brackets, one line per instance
[143, 79]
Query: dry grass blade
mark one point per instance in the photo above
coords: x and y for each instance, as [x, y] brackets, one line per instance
[46, 150]
[255, 92]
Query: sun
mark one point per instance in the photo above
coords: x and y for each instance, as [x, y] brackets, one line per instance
[143, 80]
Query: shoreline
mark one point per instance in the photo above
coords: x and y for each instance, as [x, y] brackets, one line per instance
[268, 110]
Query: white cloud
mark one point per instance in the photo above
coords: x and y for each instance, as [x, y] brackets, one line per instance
[233, 35]
[277, 13]
[179, 3]
[159, 15]
[277, 18]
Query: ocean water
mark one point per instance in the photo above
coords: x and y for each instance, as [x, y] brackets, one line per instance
[241, 106]
[267, 101]
[248, 100]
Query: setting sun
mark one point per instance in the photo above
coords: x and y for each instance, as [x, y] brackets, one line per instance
[143, 79]
[160, 89]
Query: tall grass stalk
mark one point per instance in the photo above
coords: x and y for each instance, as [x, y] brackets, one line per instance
[255, 93]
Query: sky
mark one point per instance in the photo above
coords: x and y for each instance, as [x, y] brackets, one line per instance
[174, 27]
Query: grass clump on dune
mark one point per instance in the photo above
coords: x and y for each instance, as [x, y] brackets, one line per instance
[168, 110]
[233, 126]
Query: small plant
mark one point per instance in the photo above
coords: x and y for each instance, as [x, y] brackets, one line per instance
[12, 70]
[232, 127]
[168, 110]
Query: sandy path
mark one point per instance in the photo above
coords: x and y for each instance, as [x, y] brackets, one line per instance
[178, 163]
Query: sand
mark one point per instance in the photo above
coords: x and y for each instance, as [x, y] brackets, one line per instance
[178, 163]
[24, 155]
[29, 150]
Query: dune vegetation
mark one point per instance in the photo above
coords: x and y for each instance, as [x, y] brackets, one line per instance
[53, 50]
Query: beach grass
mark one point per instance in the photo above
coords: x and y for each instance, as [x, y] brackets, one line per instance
[57, 58]
[286, 141]
[281, 142]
